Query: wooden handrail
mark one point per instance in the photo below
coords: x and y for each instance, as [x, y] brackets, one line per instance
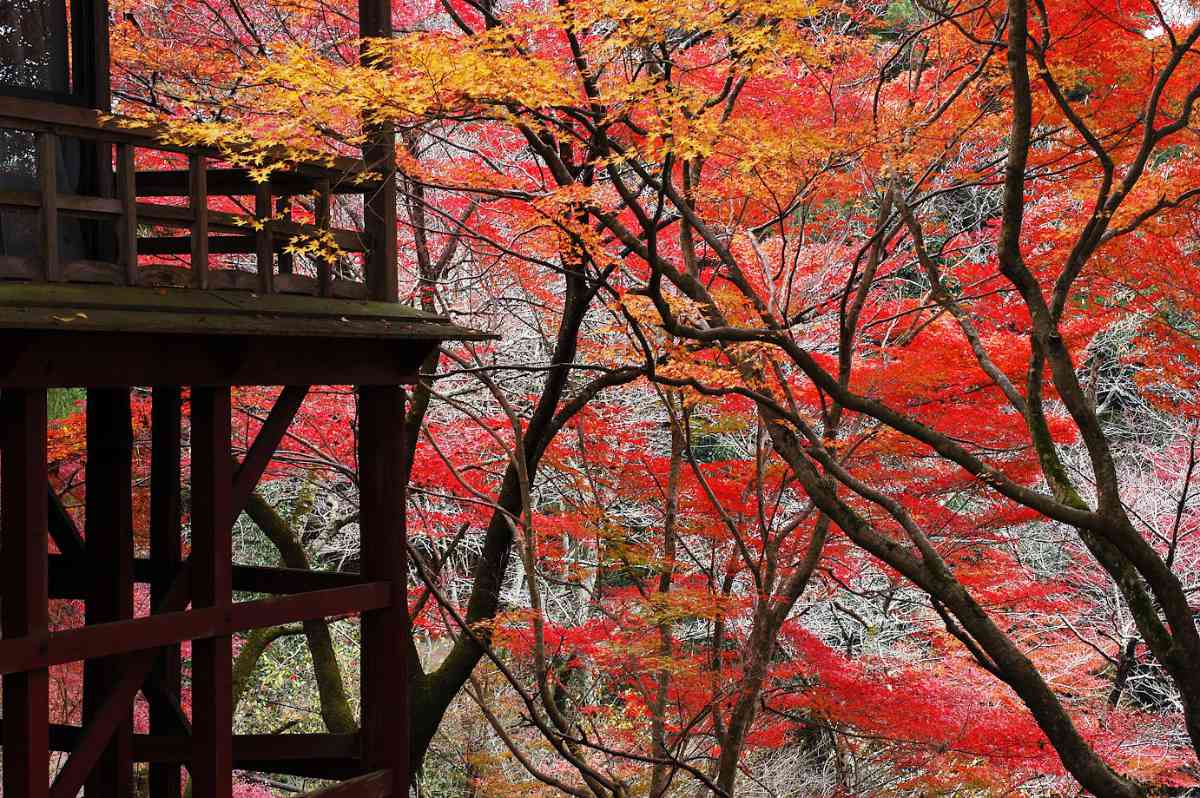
[86, 123]
[52, 122]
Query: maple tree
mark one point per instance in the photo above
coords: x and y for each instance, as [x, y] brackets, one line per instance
[842, 422]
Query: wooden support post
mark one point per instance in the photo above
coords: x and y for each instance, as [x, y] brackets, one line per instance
[166, 551]
[264, 247]
[212, 586]
[127, 224]
[381, 522]
[198, 189]
[375, 21]
[24, 611]
[48, 218]
[108, 540]
[90, 54]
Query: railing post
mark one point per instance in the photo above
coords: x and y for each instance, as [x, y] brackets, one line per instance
[264, 245]
[127, 190]
[324, 265]
[379, 153]
[48, 185]
[283, 207]
[198, 187]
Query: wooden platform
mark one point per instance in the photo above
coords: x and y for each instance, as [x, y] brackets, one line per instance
[69, 335]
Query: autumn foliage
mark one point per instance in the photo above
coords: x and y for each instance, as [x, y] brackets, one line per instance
[840, 435]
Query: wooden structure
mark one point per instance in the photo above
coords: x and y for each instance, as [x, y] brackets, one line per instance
[85, 301]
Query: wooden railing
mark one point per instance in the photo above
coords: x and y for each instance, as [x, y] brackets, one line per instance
[136, 253]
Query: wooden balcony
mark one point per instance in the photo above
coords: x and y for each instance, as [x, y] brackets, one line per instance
[161, 230]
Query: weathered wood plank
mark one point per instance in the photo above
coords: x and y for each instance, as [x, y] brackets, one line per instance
[384, 558]
[230, 304]
[212, 589]
[68, 577]
[48, 202]
[206, 622]
[166, 552]
[198, 187]
[264, 246]
[108, 540]
[33, 357]
[128, 223]
[24, 611]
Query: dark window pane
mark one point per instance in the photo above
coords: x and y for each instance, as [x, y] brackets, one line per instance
[33, 45]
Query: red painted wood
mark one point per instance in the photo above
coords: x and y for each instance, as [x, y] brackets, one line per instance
[378, 784]
[108, 539]
[33, 359]
[265, 444]
[166, 551]
[134, 670]
[379, 153]
[212, 587]
[381, 521]
[200, 623]
[331, 756]
[24, 611]
[62, 527]
[68, 577]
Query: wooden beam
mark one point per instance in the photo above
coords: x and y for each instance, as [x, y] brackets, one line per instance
[24, 611]
[384, 676]
[108, 539]
[328, 756]
[377, 784]
[201, 623]
[68, 577]
[259, 455]
[182, 245]
[90, 51]
[43, 358]
[379, 153]
[135, 667]
[225, 182]
[166, 553]
[212, 589]
[63, 531]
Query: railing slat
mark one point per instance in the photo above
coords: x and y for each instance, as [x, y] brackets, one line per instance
[263, 245]
[324, 265]
[127, 191]
[48, 187]
[283, 209]
[198, 186]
